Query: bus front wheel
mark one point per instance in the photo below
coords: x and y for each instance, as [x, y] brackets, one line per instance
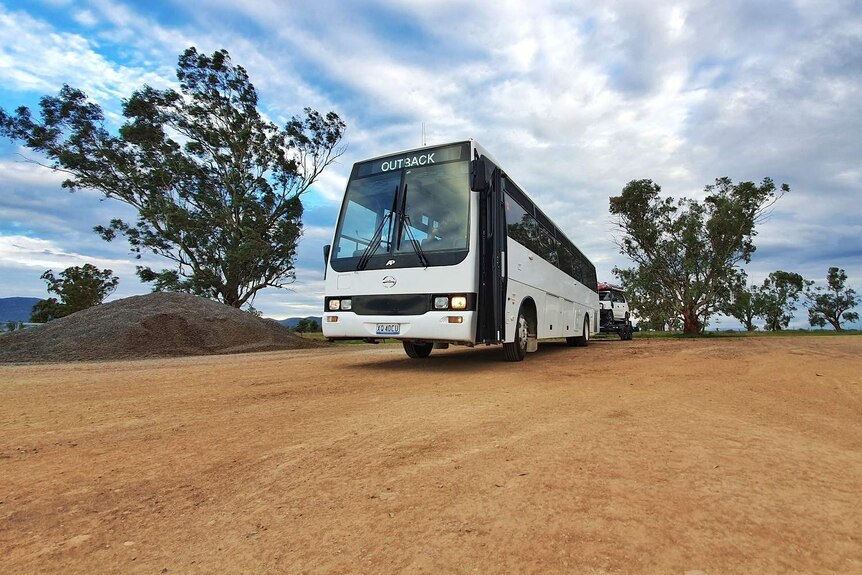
[418, 350]
[517, 350]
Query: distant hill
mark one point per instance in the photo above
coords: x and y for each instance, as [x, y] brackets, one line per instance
[16, 308]
[291, 322]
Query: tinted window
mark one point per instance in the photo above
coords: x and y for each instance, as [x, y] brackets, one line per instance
[521, 226]
[567, 260]
[435, 202]
[369, 202]
[437, 206]
[548, 247]
[542, 237]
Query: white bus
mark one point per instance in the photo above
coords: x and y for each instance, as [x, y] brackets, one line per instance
[437, 246]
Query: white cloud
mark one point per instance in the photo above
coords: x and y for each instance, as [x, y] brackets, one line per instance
[86, 18]
[332, 182]
[36, 57]
[24, 169]
[36, 253]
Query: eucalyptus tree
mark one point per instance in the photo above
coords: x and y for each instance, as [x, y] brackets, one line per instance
[832, 304]
[777, 298]
[77, 287]
[687, 252]
[217, 186]
[744, 305]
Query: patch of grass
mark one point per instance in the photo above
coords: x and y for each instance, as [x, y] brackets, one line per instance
[732, 333]
[318, 336]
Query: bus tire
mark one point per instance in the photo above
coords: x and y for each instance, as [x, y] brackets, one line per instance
[517, 350]
[417, 350]
[584, 339]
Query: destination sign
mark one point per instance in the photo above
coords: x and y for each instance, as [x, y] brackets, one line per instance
[415, 159]
[408, 162]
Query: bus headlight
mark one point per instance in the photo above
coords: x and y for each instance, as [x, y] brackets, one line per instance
[459, 302]
[336, 304]
[441, 302]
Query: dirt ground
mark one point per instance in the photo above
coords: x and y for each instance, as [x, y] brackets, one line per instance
[653, 456]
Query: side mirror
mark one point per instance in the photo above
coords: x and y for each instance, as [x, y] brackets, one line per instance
[480, 179]
[326, 249]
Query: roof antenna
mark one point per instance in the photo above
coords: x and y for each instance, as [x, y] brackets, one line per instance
[423, 135]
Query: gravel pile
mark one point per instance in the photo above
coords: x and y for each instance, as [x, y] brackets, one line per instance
[153, 325]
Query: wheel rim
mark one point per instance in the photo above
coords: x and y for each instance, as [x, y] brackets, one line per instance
[522, 333]
[586, 331]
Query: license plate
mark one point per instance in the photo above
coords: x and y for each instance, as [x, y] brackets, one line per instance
[388, 328]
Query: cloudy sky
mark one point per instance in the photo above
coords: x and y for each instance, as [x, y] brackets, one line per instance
[574, 98]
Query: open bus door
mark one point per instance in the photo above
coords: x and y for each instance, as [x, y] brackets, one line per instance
[487, 179]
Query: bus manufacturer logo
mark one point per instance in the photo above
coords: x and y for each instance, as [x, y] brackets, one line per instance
[389, 281]
[390, 263]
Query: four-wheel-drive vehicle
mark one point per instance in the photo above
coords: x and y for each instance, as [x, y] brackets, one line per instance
[614, 315]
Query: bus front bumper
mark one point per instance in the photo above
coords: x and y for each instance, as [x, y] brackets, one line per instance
[439, 326]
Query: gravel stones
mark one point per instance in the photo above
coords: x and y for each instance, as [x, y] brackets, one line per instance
[159, 324]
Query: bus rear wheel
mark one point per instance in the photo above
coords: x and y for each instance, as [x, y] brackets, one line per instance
[417, 350]
[582, 340]
[517, 350]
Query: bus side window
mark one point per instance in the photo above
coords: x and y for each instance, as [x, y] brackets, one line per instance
[567, 260]
[519, 224]
[548, 247]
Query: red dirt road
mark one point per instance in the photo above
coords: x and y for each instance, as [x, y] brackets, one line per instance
[738, 455]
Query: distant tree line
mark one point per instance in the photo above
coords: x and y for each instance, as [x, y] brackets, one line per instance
[307, 325]
[775, 301]
[688, 258]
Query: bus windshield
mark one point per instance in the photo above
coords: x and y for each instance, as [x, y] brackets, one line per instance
[385, 212]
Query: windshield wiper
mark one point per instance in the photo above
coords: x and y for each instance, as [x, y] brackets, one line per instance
[375, 242]
[404, 225]
[405, 222]
[378, 235]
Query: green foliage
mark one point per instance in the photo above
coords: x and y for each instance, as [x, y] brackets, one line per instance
[253, 311]
[776, 299]
[687, 252]
[744, 305]
[217, 187]
[833, 303]
[78, 288]
[307, 325]
[48, 309]
[732, 334]
[654, 314]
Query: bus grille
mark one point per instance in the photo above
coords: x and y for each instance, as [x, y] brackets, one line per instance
[401, 304]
